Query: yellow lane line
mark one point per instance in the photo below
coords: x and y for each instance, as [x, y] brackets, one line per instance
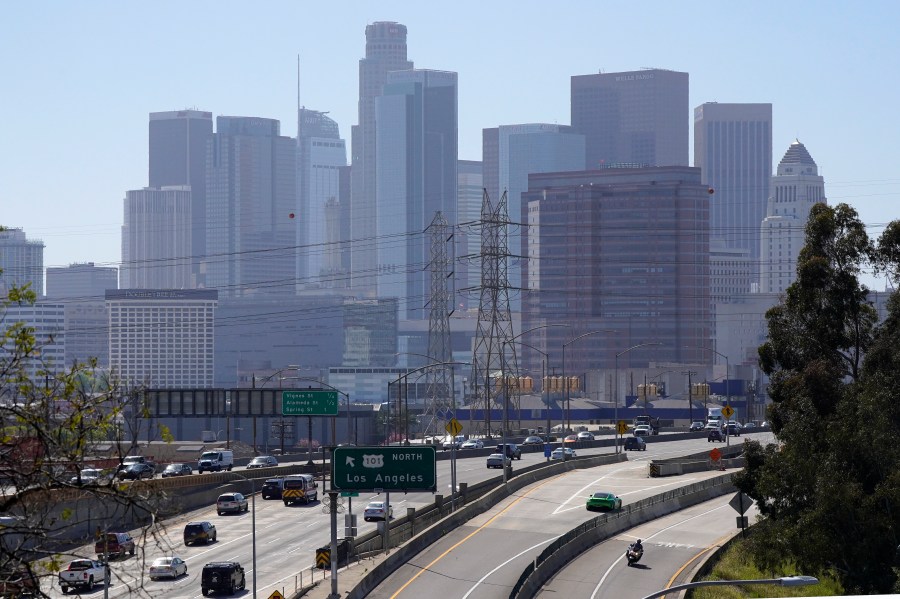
[716, 544]
[469, 536]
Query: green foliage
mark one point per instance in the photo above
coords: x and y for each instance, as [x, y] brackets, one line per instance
[735, 563]
[829, 490]
[52, 417]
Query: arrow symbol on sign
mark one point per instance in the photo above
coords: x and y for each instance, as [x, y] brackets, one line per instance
[349, 462]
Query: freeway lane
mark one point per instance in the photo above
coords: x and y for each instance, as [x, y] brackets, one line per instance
[484, 558]
[670, 543]
[287, 537]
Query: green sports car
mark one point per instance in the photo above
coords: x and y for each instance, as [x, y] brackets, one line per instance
[602, 500]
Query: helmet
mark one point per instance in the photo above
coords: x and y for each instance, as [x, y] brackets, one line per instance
[638, 541]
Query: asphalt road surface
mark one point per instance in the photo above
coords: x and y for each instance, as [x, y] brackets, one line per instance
[287, 537]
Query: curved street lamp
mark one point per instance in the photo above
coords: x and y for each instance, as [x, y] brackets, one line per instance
[566, 380]
[252, 520]
[727, 385]
[785, 581]
[506, 389]
[616, 408]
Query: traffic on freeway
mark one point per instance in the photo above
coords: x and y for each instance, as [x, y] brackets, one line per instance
[288, 536]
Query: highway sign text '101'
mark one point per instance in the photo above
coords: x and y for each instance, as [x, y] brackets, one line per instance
[384, 468]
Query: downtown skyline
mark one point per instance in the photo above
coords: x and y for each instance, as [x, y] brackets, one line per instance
[70, 155]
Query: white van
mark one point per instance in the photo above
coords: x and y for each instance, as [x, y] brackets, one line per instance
[215, 460]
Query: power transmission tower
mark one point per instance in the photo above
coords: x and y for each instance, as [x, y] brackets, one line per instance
[494, 358]
[439, 399]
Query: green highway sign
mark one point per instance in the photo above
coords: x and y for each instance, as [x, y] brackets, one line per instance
[349, 494]
[311, 402]
[384, 468]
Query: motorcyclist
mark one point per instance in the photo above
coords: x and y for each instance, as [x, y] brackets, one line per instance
[637, 547]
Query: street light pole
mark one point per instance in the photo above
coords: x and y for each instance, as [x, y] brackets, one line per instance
[785, 581]
[565, 378]
[616, 404]
[689, 374]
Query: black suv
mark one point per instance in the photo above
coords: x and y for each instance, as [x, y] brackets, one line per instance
[272, 488]
[635, 444]
[195, 532]
[512, 451]
[222, 576]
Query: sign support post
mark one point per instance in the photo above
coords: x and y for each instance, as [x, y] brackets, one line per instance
[332, 508]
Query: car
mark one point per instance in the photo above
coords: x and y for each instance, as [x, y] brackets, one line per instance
[473, 444]
[453, 442]
[571, 439]
[560, 452]
[513, 451]
[585, 436]
[92, 476]
[635, 444]
[715, 435]
[603, 500]
[231, 502]
[764, 424]
[195, 532]
[262, 461]
[177, 470]
[113, 543]
[222, 576]
[697, 426]
[496, 460]
[533, 440]
[272, 488]
[376, 511]
[713, 425]
[171, 567]
[733, 429]
[19, 581]
[642, 430]
[750, 426]
[137, 472]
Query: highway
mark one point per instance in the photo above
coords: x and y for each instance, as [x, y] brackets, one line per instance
[287, 537]
[670, 543]
[484, 558]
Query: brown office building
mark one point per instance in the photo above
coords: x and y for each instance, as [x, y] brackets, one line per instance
[623, 250]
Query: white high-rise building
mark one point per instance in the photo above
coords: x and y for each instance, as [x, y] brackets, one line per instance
[321, 154]
[48, 319]
[162, 338]
[21, 260]
[156, 238]
[796, 187]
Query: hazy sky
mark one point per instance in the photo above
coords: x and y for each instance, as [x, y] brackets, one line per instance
[79, 79]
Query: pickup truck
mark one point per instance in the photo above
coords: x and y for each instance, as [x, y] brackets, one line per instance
[82, 573]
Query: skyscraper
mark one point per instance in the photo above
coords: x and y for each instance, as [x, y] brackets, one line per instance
[733, 149]
[416, 145]
[81, 288]
[385, 52]
[511, 153]
[625, 250]
[251, 198]
[21, 260]
[178, 157]
[320, 156]
[632, 118]
[796, 186]
[471, 195]
[78, 282]
[156, 239]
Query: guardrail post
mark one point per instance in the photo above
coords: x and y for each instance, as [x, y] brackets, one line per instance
[463, 487]
[439, 504]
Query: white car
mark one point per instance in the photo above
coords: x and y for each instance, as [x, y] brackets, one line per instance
[473, 444]
[557, 453]
[496, 460]
[585, 436]
[376, 510]
[168, 567]
[713, 426]
[642, 430]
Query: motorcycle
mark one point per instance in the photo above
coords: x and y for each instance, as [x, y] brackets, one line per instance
[633, 555]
